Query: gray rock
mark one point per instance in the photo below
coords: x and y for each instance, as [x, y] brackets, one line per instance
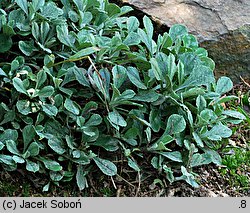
[221, 26]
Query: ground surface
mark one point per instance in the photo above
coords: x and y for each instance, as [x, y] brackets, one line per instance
[212, 185]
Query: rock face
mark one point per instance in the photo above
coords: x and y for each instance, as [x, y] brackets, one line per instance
[221, 26]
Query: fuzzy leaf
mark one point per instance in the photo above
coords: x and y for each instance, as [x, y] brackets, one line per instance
[201, 103]
[169, 173]
[9, 134]
[132, 39]
[200, 159]
[198, 139]
[18, 84]
[156, 69]
[215, 157]
[132, 24]
[148, 26]
[51, 11]
[71, 106]
[171, 66]
[176, 124]
[41, 78]
[201, 75]
[1, 145]
[106, 166]
[81, 178]
[234, 114]
[119, 74]
[189, 178]
[51, 165]
[18, 159]
[7, 159]
[80, 76]
[46, 187]
[57, 145]
[37, 4]
[26, 47]
[174, 156]
[50, 109]
[2, 73]
[133, 165]
[12, 147]
[155, 120]
[64, 36]
[218, 132]
[79, 4]
[32, 166]
[134, 77]
[108, 143]
[146, 96]
[116, 119]
[224, 84]
[46, 91]
[28, 135]
[127, 95]
[145, 39]
[33, 149]
[23, 4]
[177, 31]
[84, 52]
[94, 120]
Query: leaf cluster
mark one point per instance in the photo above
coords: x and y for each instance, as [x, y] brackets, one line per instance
[79, 80]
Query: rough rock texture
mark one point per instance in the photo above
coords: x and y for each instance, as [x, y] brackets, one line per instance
[221, 26]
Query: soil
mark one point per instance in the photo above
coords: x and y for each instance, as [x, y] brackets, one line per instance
[212, 184]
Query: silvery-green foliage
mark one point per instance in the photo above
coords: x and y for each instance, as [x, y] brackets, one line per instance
[79, 79]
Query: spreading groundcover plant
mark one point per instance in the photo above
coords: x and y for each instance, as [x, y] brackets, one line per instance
[80, 83]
